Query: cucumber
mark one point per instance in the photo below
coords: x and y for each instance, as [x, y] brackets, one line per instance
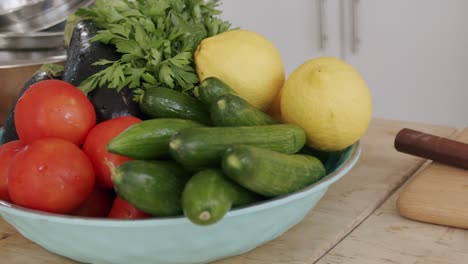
[329, 159]
[271, 173]
[202, 147]
[154, 187]
[148, 139]
[209, 195]
[232, 110]
[158, 102]
[210, 89]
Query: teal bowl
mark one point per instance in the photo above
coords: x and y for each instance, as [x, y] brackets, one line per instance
[174, 240]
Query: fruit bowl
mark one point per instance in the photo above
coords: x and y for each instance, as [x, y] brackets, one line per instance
[174, 239]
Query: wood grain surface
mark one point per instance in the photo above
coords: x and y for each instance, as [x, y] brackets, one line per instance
[388, 238]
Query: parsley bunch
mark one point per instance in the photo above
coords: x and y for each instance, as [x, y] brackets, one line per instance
[157, 40]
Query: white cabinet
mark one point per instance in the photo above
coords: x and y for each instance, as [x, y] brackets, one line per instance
[413, 54]
[294, 26]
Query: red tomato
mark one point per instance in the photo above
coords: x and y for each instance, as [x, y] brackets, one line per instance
[50, 174]
[122, 209]
[95, 147]
[54, 108]
[98, 204]
[7, 153]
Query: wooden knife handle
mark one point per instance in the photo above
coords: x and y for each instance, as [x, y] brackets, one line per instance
[432, 147]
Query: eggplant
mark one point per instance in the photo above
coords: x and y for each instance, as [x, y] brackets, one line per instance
[45, 72]
[81, 54]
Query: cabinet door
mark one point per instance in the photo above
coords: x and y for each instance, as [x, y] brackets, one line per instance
[414, 56]
[300, 29]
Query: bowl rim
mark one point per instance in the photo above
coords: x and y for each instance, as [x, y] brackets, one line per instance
[340, 171]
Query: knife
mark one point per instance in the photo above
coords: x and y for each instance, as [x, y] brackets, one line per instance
[440, 149]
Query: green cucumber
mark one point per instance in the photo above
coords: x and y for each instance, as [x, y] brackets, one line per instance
[271, 173]
[232, 110]
[202, 147]
[158, 102]
[209, 195]
[148, 139]
[330, 159]
[210, 89]
[154, 187]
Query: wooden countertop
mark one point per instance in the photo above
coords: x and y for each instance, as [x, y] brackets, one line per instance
[355, 222]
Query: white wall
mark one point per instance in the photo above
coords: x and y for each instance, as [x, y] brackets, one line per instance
[417, 69]
[290, 24]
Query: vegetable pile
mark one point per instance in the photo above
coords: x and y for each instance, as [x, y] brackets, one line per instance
[156, 39]
[129, 129]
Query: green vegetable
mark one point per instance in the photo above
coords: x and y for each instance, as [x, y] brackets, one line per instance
[157, 39]
[210, 89]
[209, 195]
[155, 187]
[271, 173]
[148, 139]
[201, 147]
[329, 158]
[232, 110]
[71, 22]
[160, 102]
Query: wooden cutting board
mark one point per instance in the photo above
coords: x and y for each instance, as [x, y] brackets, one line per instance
[438, 194]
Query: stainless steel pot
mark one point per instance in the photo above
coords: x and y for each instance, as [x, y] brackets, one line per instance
[7, 6]
[31, 41]
[37, 15]
[22, 45]
[14, 59]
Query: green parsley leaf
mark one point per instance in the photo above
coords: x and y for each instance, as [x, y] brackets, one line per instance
[156, 39]
[166, 75]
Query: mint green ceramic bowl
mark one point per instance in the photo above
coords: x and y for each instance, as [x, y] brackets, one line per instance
[173, 240]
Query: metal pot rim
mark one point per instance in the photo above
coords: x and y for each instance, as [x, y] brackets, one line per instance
[39, 16]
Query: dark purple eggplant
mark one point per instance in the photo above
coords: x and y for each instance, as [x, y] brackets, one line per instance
[81, 55]
[45, 72]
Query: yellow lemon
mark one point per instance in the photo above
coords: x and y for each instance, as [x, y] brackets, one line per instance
[246, 61]
[329, 99]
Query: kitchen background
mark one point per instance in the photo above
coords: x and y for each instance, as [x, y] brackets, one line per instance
[413, 54]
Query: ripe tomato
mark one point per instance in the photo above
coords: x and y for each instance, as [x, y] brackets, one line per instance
[95, 147]
[54, 108]
[50, 174]
[122, 209]
[98, 204]
[8, 152]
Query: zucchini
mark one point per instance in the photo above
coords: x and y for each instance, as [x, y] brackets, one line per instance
[271, 173]
[148, 139]
[210, 89]
[209, 195]
[232, 110]
[202, 147]
[158, 102]
[154, 187]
